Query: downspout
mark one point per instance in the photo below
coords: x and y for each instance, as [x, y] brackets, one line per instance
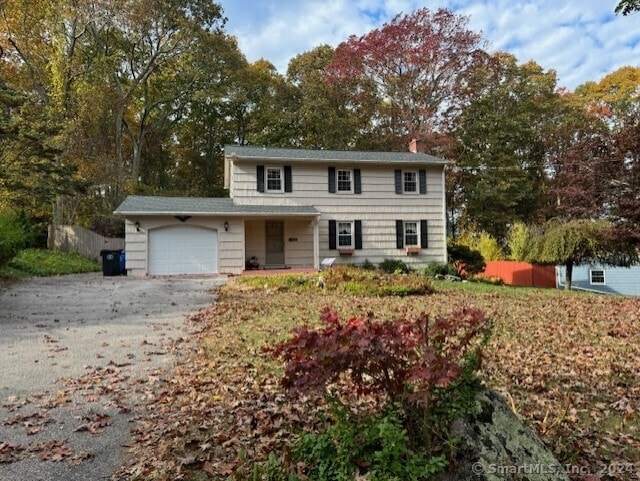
[444, 215]
[316, 244]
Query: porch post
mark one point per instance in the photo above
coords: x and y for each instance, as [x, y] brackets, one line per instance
[316, 244]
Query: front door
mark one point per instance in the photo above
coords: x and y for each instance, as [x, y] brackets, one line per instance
[275, 243]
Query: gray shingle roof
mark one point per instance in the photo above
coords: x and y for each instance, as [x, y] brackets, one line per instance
[149, 205]
[293, 155]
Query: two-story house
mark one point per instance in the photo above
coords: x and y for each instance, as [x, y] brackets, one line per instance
[295, 208]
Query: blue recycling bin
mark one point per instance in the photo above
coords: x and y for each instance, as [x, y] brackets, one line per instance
[122, 264]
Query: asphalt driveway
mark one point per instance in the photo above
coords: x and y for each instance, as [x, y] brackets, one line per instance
[76, 353]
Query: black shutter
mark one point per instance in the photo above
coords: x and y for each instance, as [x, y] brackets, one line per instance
[332, 234]
[358, 239]
[260, 178]
[332, 180]
[424, 238]
[423, 181]
[398, 177]
[288, 184]
[357, 182]
[399, 234]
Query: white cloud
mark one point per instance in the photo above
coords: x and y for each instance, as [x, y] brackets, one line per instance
[581, 39]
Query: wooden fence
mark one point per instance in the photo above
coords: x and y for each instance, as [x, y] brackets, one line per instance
[73, 238]
[521, 273]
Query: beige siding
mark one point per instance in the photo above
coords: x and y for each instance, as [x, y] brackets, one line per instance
[298, 242]
[230, 248]
[378, 207]
[255, 240]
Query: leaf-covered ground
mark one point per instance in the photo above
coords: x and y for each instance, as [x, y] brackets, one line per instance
[568, 362]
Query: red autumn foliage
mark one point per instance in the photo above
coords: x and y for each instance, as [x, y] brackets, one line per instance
[415, 69]
[405, 359]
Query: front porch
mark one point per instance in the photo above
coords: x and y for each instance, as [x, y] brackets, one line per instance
[281, 244]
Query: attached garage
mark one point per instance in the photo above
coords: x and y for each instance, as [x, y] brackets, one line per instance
[206, 235]
[183, 249]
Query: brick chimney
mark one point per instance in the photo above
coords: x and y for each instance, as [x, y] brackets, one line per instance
[416, 146]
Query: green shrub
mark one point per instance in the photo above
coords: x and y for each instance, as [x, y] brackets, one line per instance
[466, 260]
[14, 235]
[376, 446]
[368, 265]
[394, 266]
[437, 268]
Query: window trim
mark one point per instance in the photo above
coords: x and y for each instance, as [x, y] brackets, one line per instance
[417, 233]
[416, 182]
[604, 278]
[351, 234]
[351, 181]
[280, 169]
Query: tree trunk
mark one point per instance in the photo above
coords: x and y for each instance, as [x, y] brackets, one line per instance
[569, 275]
[120, 171]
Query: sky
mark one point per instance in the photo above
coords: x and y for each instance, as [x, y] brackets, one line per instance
[582, 40]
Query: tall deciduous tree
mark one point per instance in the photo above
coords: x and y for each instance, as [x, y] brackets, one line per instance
[502, 136]
[595, 168]
[413, 72]
[150, 44]
[322, 118]
[615, 98]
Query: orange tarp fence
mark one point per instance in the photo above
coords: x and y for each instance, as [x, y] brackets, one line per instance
[521, 273]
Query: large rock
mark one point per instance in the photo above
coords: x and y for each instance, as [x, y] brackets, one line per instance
[496, 446]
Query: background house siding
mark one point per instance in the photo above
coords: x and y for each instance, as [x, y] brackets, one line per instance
[378, 207]
[618, 280]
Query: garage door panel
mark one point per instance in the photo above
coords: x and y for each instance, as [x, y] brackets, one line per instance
[183, 250]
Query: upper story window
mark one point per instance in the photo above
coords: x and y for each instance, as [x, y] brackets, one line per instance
[410, 182]
[274, 177]
[344, 181]
[597, 276]
[411, 234]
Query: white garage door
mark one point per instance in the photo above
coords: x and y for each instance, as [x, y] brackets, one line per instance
[183, 250]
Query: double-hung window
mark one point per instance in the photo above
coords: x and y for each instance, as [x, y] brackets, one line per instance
[274, 178]
[344, 181]
[410, 182]
[411, 234]
[596, 276]
[345, 235]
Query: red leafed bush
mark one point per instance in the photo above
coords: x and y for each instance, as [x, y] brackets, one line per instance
[405, 359]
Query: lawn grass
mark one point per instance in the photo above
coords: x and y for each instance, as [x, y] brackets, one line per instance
[568, 362]
[45, 263]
